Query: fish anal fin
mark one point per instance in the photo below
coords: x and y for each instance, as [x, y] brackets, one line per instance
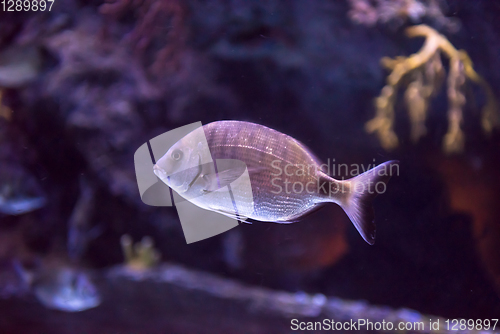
[228, 214]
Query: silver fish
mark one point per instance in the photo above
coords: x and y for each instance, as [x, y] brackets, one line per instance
[287, 180]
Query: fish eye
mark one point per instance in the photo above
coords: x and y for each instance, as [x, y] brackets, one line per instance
[176, 155]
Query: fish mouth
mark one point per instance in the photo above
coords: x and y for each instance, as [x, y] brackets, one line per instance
[166, 178]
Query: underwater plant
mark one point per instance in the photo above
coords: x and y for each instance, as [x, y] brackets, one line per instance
[140, 256]
[425, 71]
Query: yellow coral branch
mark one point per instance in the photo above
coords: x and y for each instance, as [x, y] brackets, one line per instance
[490, 118]
[454, 138]
[426, 70]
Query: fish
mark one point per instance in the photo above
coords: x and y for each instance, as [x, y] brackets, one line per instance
[19, 65]
[67, 290]
[62, 288]
[287, 181]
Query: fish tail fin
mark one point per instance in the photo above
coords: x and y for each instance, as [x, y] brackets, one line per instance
[361, 190]
[26, 277]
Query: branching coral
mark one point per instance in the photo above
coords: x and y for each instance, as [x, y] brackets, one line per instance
[425, 70]
[141, 255]
[369, 12]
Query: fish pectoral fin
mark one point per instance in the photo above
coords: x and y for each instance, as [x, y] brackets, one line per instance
[215, 181]
[229, 175]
